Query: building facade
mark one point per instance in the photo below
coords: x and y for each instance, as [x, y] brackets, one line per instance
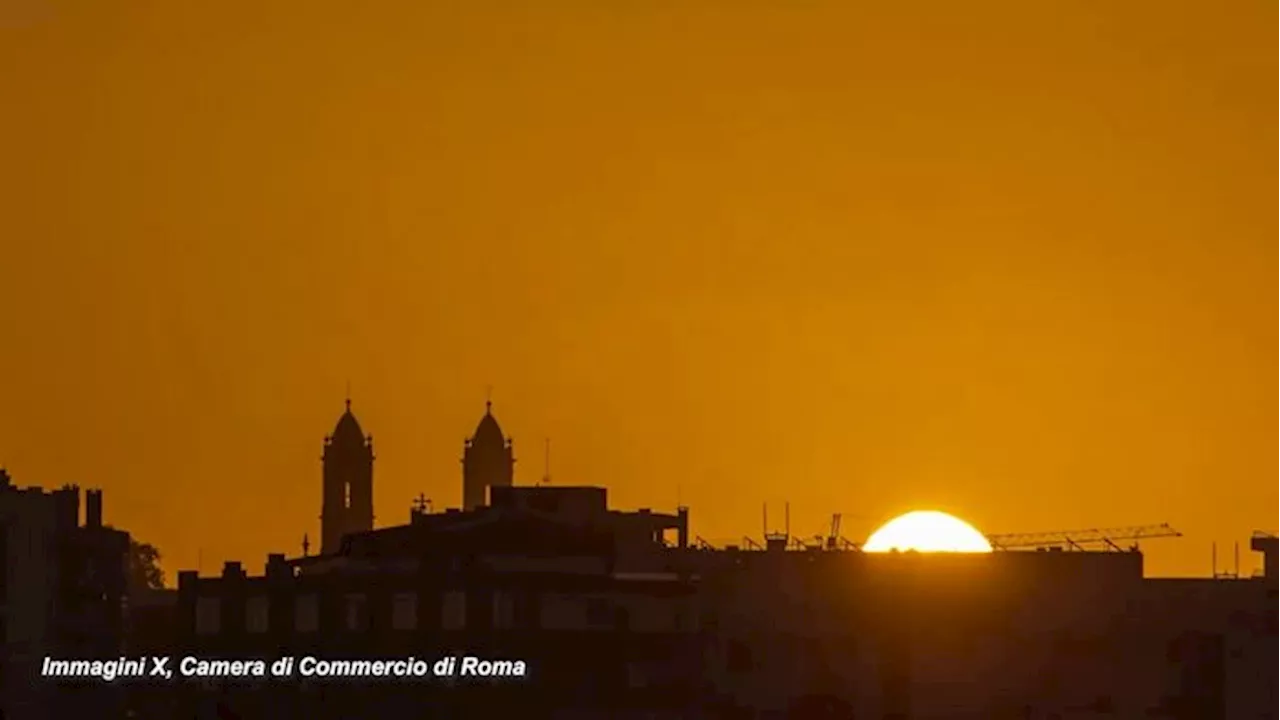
[999, 635]
[618, 616]
[497, 584]
[62, 593]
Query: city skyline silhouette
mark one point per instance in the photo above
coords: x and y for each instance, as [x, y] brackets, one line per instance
[901, 361]
[1010, 262]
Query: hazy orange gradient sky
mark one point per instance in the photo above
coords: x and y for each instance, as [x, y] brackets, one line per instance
[1015, 261]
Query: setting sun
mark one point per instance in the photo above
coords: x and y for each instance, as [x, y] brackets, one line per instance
[927, 531]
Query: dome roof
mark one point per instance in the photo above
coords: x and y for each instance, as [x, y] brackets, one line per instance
[348, 428]
[488, 431]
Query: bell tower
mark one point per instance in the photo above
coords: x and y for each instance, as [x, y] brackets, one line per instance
[347, 505]
[487, 460]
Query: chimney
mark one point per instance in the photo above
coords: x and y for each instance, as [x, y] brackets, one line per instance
[277, 567]
[93, 508]
[232, 569]
[66, 501]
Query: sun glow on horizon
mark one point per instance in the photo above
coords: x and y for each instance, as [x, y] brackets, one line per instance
[927, 531]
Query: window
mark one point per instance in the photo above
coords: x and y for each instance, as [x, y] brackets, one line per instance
[306, 614]
[737, 657]
[256, 614]
[600, 613]
[356, 612]
[404, 611]
[504, 610]
[453, 610]
[636, 676]
[686, 619]
[544, 503]
[558, 612]
[208, 615]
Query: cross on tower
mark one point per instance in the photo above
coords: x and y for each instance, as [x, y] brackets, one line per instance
[421, 504]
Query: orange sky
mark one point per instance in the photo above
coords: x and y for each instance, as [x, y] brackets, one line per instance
[1014, 260]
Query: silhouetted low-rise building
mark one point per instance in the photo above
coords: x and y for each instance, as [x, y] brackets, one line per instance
[615, 618]
[151, 620]
[504, 582]
[61, 596]
[994, 635]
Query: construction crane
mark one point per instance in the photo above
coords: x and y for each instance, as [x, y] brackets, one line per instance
[832, 540]
[1103, 539]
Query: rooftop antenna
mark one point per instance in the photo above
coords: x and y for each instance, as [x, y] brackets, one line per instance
[547, 465]
[776, 540]
[1226, 574]
[306, 545]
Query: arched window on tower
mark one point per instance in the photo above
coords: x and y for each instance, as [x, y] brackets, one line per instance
[346, 495]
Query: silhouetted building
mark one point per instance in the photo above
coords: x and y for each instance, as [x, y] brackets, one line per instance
[983, 636]
[152, 624]
[488, 461]
[61, 595]
[347, 505]
[618, 614]
[151, 619]
[503, 582]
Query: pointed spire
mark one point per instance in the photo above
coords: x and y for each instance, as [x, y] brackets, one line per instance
[488, 432]
[348, 430]
[488, 399]
[348, 396]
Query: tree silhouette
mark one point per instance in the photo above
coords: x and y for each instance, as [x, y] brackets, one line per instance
[144, 567]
